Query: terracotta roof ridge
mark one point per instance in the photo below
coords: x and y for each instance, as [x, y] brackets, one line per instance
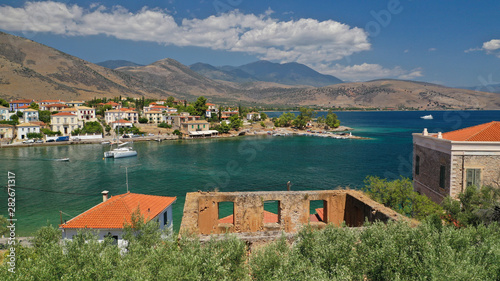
[486, 127]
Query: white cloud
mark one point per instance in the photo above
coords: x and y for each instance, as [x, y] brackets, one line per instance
[366, 71]
[432, 49]
[306, 41]
[491, 47]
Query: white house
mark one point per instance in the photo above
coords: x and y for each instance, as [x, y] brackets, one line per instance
[252, 115]
[30, 115]
[24, 129]
[121, 124]
[108, 218]
[4, 113]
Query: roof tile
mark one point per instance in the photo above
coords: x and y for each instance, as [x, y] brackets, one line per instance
[483, 132]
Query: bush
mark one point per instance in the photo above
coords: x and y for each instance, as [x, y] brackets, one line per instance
[164, 125]
[48, 132]
[34, 135]
[143, 120]
[400, 196]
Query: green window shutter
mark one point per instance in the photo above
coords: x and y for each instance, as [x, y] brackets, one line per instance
[442, 176]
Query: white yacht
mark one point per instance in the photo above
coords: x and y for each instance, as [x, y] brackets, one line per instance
[427, 117]
[120, 152]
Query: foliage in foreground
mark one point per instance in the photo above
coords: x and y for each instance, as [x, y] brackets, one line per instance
[400, 196]
[393, 251]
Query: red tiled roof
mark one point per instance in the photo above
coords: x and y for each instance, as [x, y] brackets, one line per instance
[52, 101]
[117, 211]
[64, 114]
[268, 218]
[484, 132]
[21, 101]
[58, 105]
[24, 106]
[209, 104]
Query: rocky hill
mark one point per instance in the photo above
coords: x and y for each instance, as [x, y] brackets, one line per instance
[32, 70]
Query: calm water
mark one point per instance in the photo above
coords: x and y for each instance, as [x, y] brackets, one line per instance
[46, 187]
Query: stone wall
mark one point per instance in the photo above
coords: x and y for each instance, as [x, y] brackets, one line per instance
[427, 181]
[201, 211]
[489, 165]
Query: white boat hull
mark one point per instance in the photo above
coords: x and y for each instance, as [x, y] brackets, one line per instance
[120, 153]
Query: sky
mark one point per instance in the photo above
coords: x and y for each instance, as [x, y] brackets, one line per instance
[452, 43]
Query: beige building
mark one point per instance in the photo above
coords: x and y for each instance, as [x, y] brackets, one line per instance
[6, 132]
[446, 163]
[64, 122]
[122, 113]
[86, 114]
[153, 116]
[24, 129]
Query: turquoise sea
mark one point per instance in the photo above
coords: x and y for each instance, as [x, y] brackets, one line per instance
[171, 168]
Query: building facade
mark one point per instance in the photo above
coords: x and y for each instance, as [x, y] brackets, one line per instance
[86, 114]
[6, 132]
[4, 113]
[24, 129]
[123, 113]
[16, 104]
[444, 164]
[109, 218]
[64, 122]
[30, 115]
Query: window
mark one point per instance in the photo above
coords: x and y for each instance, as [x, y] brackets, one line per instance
[473, 177]
[165, 218]
[226, 212]
[271, 212]
[417, 165]
[442, 176]
[317, 211]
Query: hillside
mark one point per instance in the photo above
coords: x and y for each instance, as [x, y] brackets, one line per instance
[114, 64]
[265, 71]
[32, 70]
[392, 93]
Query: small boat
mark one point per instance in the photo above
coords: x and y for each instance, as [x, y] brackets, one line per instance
[120, 152]
[63, 160]
[427, 117]
[105, 142]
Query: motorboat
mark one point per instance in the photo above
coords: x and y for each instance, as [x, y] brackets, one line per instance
[120, 152]
[63, 160]
[427, 117]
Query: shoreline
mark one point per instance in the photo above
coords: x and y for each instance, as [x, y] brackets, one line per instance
[243, 132]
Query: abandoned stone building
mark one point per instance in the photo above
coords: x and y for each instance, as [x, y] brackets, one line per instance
[446, 163]
[248, 216]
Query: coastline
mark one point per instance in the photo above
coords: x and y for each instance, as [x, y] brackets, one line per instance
[243, 132]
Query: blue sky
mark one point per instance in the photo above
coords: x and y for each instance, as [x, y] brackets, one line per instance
[454, 43]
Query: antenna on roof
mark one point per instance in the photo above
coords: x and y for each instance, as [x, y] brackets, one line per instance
[126, 173]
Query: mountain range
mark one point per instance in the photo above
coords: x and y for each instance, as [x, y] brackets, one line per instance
[32, 70]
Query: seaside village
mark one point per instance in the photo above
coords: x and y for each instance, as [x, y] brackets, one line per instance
[76, 120]
[444, 164]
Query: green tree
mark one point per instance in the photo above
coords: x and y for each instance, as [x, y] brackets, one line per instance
[44, 116]
[285, 120]
[170, 101]
[235, 122]
[306, 115]
[34, 135]
[223, 128]
[15, 118]
[200, 106]
[321, 121]
[331, 120]
[476, 205]
[4, 103]
[34, 105]
[143, 120]
[400, 196]
[19, 114]
[263, 116]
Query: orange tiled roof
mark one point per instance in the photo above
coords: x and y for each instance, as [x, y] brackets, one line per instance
[117, 211]
[24, 106]
[122, 121]
[484, 132]
[21, 101]
[268, 218]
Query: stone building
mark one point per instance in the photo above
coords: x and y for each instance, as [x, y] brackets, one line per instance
[446, 163]
[64, 122]
[250, 221]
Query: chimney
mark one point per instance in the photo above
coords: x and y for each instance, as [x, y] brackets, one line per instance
[105, 195]
[425, 133]
[440, 135]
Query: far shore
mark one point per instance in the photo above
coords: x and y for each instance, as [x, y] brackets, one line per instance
[245, 131]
